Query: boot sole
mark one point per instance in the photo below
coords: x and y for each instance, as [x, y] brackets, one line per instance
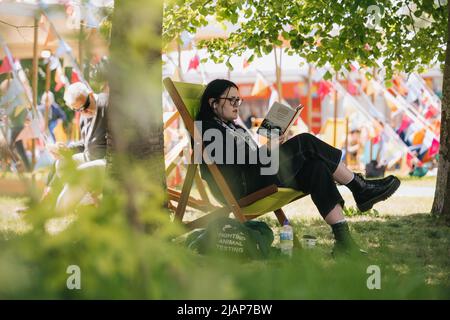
[389, 192]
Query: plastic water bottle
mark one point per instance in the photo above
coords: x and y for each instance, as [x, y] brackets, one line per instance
[286, 239]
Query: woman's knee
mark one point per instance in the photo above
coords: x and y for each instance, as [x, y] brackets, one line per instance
[307, 137]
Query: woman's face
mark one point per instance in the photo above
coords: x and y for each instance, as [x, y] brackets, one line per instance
[226, 106]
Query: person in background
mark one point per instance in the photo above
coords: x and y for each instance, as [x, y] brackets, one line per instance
[90, 152]
[55, 112]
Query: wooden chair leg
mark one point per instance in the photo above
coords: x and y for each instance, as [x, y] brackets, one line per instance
[201, 187]
[185, 191]
[195, 203]
[281, 218]
[202, 221]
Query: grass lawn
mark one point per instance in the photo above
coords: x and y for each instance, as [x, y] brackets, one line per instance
[404, 239]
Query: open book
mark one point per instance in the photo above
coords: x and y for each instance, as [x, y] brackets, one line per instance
[279, 119]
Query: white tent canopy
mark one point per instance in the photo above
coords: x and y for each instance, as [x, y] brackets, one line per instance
[17, 29]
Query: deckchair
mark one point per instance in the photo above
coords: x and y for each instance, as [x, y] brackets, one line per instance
[186, 97]
[173, 159]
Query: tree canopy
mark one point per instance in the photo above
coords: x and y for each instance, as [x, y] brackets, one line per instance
[403, 35]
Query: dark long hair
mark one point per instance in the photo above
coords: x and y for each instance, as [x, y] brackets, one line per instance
[214, 90]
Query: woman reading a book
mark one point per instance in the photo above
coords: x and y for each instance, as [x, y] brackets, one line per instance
[306, 163]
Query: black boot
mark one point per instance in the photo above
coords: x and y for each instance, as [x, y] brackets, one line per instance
[368, 192]
[344, 245]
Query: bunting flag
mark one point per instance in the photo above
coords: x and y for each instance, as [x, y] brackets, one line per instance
[50, 37]
[349, 107]
[376, 140]
[411, 131]
[409, 160]
[419, 136]
[352, 88]
[68, 62]
[430, 112]
[186, 39]
[23, 80]
[245, 64]
[63, 49]
[324, 89]
[29, 131]
[370, 90]
[399, 86]
[273, 98]
[318, 74]
[194, 62]
[427, 141]
[434, 148]
[60, 79]
[11, 93]
[260, 85]
[54, 63]
[43, 22]
[413, 93]
[74, 78]
[391, 105]
[176, 179]
[13, 105]
[6, 66]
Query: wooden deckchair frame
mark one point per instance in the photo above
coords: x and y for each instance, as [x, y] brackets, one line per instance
[172, 159]
[232, 204]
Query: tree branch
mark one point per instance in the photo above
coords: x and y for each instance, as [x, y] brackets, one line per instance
[412, 19]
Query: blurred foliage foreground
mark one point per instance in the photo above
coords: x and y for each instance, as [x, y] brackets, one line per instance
[117, 260]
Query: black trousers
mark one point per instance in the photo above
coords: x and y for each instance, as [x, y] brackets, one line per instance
[307, 164]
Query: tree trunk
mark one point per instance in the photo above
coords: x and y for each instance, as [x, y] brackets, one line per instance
[135, 116]
[441, 204]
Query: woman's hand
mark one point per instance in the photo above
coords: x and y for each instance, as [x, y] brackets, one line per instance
[281, 140]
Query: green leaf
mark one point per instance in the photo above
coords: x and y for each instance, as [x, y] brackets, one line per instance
[388, 84]
[418, 13]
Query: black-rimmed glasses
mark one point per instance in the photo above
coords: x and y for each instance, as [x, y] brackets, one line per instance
[235, 102]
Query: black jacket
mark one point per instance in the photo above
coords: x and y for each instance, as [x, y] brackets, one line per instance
[240, 163]
[95, 137]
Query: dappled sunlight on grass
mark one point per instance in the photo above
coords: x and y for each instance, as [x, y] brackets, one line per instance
[56, 225]
[11, 220]
[412, 251]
